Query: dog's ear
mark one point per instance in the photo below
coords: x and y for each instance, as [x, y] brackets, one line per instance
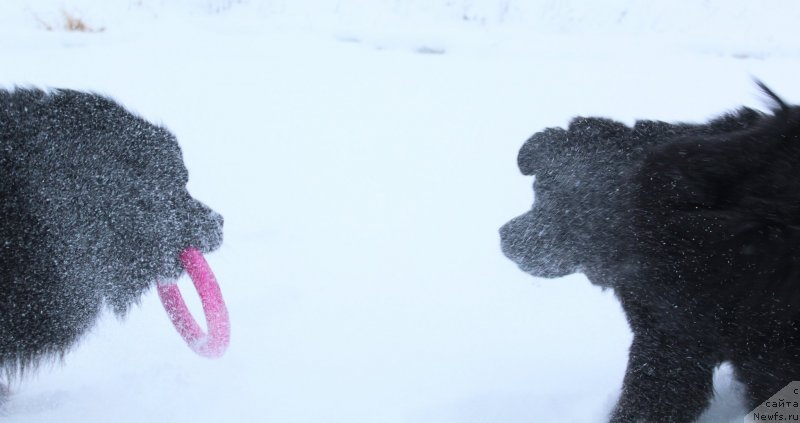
[540, 151]
[584, 136]
[601, 139]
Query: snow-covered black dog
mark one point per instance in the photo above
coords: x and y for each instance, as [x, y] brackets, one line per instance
[94, 211]
[697, 230]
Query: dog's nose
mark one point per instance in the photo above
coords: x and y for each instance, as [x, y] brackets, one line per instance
[513, 228]
[507, 235]
[211, 235]
[216, 219]
[504, 232]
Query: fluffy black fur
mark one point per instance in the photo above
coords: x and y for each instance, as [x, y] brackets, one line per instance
[94, 211]
[696, 228]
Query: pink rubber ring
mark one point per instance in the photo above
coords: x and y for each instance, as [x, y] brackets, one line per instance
[213, 344]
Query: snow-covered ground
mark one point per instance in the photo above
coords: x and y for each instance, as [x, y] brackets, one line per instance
[363, 154]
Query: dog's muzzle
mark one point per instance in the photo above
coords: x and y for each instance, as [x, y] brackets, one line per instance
[205, 228]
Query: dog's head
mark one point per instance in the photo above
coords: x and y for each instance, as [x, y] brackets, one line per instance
[575, 217]
[585, 178]
[101, 196]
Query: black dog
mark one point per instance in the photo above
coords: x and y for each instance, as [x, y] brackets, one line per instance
[94, 211]
[696, 228]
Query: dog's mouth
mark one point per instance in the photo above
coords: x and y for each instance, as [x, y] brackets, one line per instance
[202, 232]
[547, 268]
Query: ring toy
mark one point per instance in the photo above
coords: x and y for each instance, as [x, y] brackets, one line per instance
[213, 343]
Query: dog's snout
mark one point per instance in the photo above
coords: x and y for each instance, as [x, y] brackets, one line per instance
[510, 234]
[216, 219]
[515, 227]
[505, 234]
[204, 215]
[204, 227]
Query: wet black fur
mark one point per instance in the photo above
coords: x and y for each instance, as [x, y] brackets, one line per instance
[697, 230]
[94, 210]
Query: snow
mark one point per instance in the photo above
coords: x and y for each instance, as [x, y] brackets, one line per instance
[363, 154]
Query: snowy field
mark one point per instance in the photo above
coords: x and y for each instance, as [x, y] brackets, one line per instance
[364, 156]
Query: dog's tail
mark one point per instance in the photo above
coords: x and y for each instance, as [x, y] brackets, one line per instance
[782, 107]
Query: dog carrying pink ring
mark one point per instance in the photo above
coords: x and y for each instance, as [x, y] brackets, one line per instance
[213, 343]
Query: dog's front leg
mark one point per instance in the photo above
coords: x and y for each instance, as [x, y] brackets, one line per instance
[665, 382]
